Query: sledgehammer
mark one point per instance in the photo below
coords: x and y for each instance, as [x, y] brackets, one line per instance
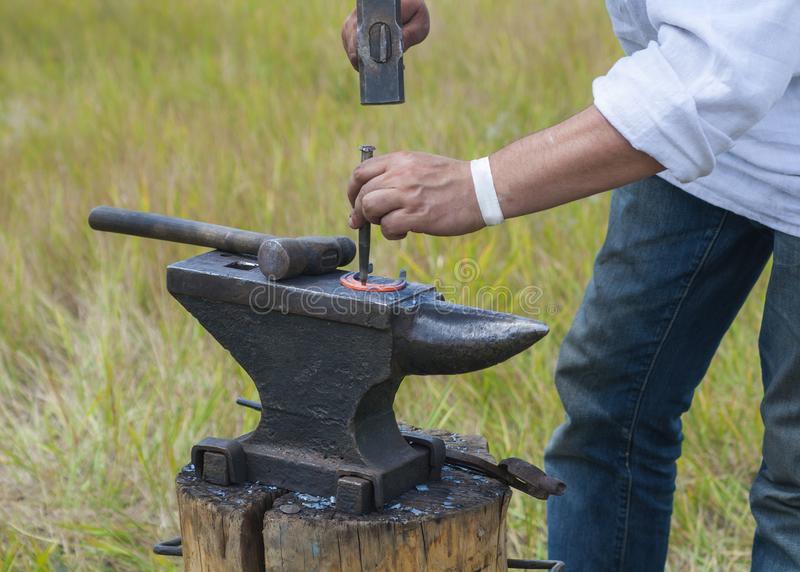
[278, 257]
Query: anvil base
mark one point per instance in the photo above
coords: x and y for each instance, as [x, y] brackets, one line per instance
[356, 488]
[321, 477]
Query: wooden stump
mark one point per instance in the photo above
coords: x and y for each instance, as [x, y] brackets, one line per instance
[221, 526]
[456, 524]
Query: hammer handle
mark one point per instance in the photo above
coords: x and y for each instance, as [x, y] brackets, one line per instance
[278, 257]
[173, 229]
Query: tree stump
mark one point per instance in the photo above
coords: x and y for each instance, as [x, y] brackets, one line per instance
[221, 526]
[454, 524]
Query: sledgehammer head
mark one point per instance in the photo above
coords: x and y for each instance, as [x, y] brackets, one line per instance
[380, 52]
[281, 258]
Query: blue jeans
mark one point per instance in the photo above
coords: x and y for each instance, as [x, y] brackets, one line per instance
[667, 284]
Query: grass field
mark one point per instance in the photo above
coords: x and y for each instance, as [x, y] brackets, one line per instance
[246, 113]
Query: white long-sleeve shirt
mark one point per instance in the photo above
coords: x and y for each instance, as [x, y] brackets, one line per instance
[711, 90]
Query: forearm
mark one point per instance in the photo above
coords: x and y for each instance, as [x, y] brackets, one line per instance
[418, 192]
[579, 157]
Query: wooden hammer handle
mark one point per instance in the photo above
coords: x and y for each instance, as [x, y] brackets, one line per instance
[173, 229]
[278, 257]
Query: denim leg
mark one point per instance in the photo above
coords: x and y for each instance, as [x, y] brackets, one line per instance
[775, 495]
[667, 283]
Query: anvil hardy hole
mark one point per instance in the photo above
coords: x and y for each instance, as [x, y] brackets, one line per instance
[242, 265]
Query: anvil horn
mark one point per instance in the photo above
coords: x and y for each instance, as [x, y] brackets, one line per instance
[443, 338]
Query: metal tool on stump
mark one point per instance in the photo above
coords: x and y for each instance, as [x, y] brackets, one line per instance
[327, 362]
[380, 52]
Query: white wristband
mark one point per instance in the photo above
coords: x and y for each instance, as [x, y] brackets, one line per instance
[485, 191]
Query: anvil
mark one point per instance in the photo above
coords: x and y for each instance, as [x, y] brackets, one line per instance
[327, 362]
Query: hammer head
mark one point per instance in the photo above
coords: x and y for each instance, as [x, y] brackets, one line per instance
[327, 362]
[380, 52]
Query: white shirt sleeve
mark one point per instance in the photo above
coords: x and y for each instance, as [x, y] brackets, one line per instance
[717, 68]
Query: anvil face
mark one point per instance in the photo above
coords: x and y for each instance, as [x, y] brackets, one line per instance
[327, 362]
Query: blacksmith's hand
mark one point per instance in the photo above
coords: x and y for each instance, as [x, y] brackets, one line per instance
[416, 24]
[414, 192]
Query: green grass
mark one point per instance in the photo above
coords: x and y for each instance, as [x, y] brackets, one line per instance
[246, 113]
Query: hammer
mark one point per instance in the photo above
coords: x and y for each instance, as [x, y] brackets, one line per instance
[278, 257]
[380, 52]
